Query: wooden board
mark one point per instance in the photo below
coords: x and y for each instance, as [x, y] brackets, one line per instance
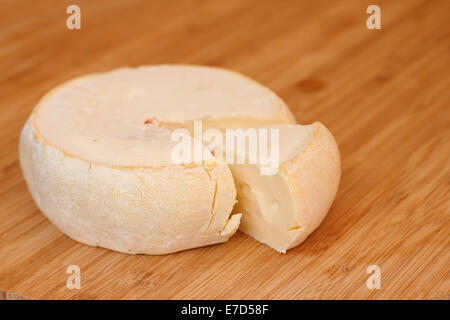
[385, 95]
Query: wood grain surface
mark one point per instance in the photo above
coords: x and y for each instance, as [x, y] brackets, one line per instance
[385, 95]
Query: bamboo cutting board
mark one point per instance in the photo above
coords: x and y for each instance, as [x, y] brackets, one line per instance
[385, 95]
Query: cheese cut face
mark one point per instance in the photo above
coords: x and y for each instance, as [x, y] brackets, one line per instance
[281, 210]
[96, 156]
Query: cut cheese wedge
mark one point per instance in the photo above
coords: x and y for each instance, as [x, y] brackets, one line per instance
[96, 150]
[282, 209]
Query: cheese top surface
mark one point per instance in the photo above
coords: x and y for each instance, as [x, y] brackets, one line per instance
[292, 139]
[125, 117]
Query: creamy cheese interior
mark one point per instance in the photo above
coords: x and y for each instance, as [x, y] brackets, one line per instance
[267, 201]
[122, 117]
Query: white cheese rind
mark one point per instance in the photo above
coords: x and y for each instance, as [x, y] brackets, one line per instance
[152, 210]
[313, 177]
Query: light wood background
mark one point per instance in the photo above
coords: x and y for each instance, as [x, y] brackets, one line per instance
[385, 95]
